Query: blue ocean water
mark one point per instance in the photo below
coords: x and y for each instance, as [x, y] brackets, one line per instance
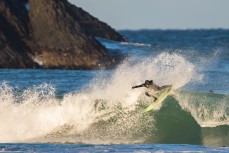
[97, 111]
[73, 148]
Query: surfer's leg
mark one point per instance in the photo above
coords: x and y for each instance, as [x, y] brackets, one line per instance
[147, 94]
[155, 98]
[165, 86]
[150, 95]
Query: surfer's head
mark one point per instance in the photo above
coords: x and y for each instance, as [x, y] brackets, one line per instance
[148, 82]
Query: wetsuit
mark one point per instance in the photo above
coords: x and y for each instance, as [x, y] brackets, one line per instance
[153, 88]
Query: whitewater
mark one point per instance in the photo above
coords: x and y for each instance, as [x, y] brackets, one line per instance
[99, 107]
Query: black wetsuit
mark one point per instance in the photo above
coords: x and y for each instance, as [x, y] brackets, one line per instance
[152, 86]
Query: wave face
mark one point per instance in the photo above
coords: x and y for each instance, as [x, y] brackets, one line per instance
[208, 109]
[108, 111]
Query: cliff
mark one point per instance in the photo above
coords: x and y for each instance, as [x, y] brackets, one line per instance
[52, 34]
[13, 34]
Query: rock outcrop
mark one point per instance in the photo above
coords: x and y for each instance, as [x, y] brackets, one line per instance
[13, 34]
[92, 26]
[52, 34]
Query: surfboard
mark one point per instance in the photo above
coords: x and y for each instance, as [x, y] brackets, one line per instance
[161, 97]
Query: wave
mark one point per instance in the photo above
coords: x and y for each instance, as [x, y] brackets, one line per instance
[169, 124]
[136, 44]
[108, 110]
[209, 109]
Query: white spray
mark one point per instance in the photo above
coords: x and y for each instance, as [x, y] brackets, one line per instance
[37, 112]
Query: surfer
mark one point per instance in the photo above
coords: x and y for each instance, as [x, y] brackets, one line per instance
[153, 88]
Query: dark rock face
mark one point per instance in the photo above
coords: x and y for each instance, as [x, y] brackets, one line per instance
[93, 26]
[53, 34]
[59, 39]
[16, 15]
[13, 32]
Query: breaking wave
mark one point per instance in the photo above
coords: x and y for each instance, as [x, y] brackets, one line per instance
[109, 111]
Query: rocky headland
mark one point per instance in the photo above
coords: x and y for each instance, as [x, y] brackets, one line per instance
[52, 34]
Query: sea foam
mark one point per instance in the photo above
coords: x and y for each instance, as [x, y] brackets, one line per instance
[36, 114]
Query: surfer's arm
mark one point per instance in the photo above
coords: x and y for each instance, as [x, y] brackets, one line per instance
[142, 85]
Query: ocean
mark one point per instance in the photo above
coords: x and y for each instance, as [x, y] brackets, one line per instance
[98, 111]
